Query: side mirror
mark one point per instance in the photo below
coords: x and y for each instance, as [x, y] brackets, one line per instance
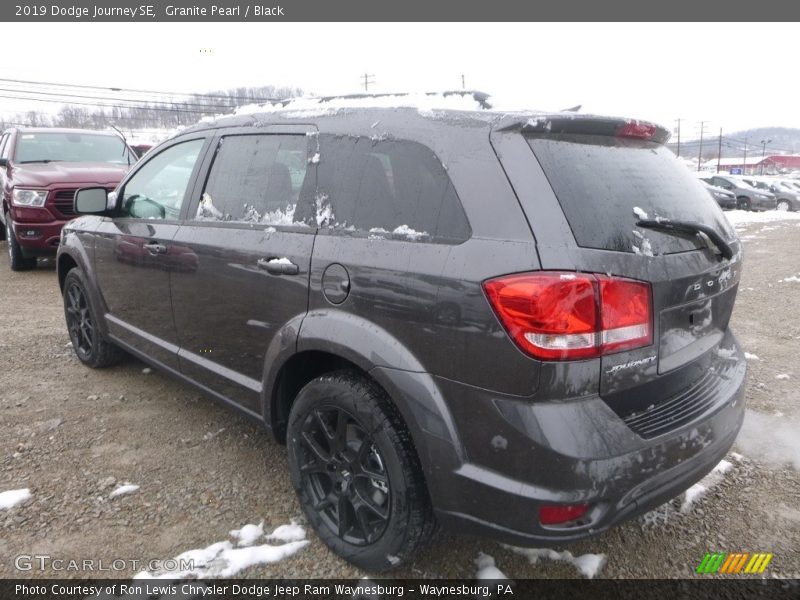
[3, 162]
[90, 201]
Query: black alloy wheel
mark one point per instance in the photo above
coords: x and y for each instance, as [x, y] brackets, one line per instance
[344, 473]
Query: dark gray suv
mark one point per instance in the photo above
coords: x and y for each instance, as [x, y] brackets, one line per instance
[514, 325]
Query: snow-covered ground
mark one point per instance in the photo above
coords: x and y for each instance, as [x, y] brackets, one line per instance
[124, 490]
[227, 558]
[11, 498]
[744, 217]
[588, 565]
[669, 511]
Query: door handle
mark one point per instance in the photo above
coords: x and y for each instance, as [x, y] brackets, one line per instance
[156, 248]
[278, 266]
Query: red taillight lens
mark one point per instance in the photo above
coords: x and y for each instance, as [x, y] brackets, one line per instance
[558, 514]
[637, 129]
[567, 316]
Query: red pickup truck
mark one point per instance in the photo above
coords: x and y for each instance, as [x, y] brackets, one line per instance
[40, 169]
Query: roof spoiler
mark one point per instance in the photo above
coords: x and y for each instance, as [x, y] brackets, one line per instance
[584, 124]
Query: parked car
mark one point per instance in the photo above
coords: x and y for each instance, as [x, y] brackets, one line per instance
[788, 196]
[725, 199]
[40, 169]
[586, 373]
[747, 197]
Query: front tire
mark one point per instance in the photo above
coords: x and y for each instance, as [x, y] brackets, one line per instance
[356, 472]
[783, 206]
[743, 203]
[89, 344]
[17, 261]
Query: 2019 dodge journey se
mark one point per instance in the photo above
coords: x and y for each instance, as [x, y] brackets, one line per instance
[511, 324]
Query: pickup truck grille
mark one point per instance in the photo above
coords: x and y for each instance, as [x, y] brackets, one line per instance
[62, 201]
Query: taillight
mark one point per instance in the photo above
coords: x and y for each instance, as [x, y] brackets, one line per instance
[568, 316]
[637, 129]
[558, 514]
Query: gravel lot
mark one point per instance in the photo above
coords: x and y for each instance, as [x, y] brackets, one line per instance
[72, 435]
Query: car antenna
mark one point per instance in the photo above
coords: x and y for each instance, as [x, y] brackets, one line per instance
[124, 141]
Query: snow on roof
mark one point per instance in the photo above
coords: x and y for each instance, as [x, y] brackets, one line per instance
[313, 106]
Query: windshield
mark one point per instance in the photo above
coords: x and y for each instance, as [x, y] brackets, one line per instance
[71, 147]
[744, 184]
[605, 184]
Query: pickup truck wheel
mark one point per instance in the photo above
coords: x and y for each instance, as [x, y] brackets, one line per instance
[356, 472]
[88, 342]
[17, 261]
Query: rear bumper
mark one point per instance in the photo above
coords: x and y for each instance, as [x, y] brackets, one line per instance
[518, 455]
[38, 239]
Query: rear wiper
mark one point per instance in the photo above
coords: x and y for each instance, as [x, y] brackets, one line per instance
[708, 235]
[44, 160]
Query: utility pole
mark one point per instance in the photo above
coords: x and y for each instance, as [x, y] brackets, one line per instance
[763, 153]
[744, 160]
[700, 152]
[719, 149]
[463, 84]
[367, 80]
[678, 153]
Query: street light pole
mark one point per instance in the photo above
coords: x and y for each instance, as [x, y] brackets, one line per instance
[763, 154]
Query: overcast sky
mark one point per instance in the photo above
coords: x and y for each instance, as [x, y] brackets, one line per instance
[734, 75]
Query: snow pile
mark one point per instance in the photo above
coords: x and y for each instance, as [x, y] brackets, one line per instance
[222, 559]
[793, 278]
[699, 489]
[744, 217]
[487, 568]
[11, 498]
[749, 356]
[589, 565]
[771, 439]
[783, 376]
[248, 535]
[124, 490]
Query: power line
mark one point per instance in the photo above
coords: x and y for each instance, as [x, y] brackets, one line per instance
[119, 89]
[157, 102]
[97, 105]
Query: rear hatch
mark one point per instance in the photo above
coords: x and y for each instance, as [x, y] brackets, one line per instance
[588, 188]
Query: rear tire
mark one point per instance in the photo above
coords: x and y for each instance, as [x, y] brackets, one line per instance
[89, 344]
[17, 261]
[356, 473]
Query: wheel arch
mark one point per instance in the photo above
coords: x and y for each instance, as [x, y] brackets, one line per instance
[334, 340]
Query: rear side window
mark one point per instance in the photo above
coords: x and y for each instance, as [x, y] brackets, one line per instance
[600, 180]
[255, 179]
[392, 189]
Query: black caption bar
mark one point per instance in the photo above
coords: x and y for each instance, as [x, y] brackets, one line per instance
[397, 10]
[379, 589]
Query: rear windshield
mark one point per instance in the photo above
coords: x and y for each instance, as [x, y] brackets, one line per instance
[602, 183]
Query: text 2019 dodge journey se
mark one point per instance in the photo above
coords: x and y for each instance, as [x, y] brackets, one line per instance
[514, 325]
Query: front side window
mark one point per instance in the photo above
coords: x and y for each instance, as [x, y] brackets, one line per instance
[393, 189]
[158, 188]
[257, 179]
